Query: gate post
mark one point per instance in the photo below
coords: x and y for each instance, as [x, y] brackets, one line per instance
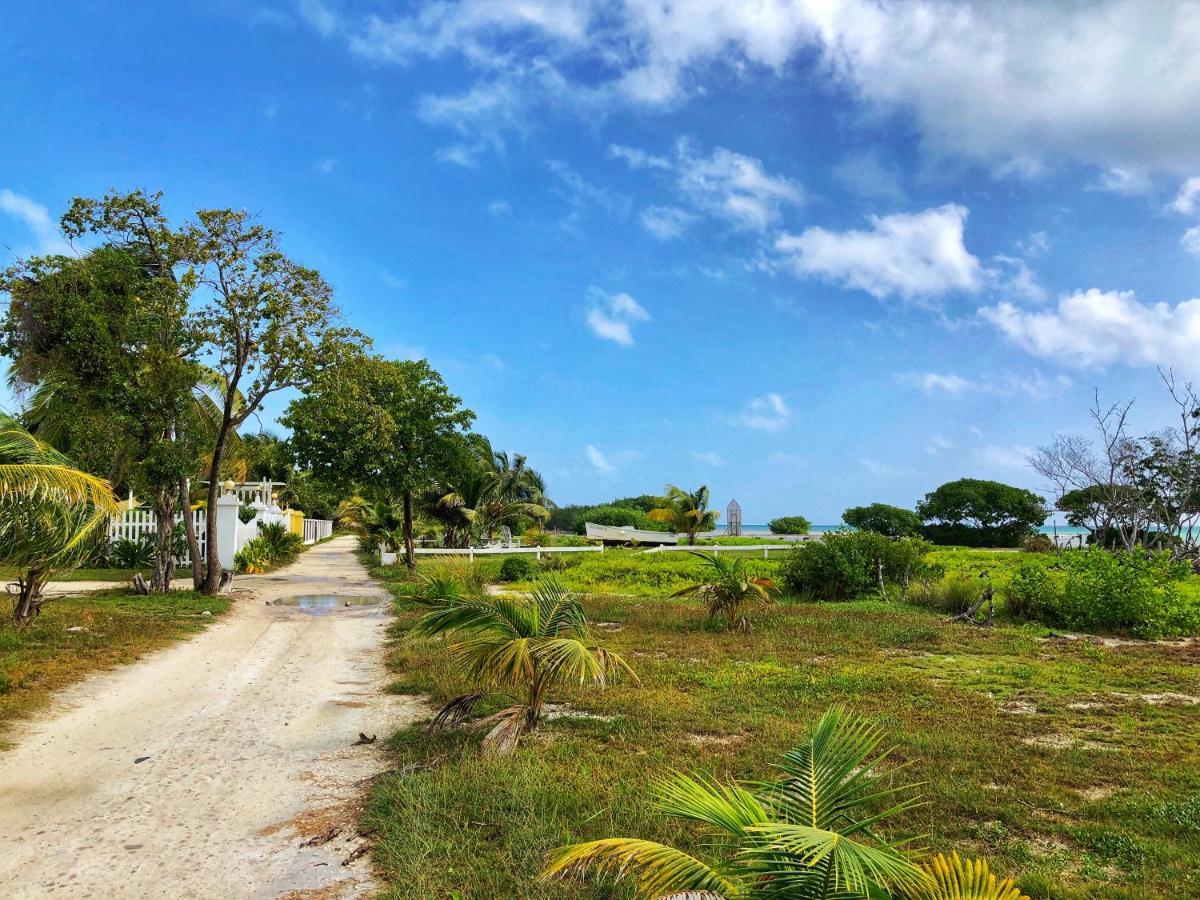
[227, 529]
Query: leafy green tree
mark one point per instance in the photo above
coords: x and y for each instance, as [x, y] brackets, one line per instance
[389, 427]
[811, 834]
[981, 513]
[731, 584]
[268, 457]
[527, 645]
[894, 521]
[790, 525]
[616, 516]
[110, 347]
[51, 514]
[685, 512]
[269, 324]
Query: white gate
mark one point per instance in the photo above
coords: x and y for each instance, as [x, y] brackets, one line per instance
[137, 523]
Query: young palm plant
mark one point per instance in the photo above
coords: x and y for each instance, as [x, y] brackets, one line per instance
[730, 586]
[686, 512]
[51, 514]
[525, 647]
[809, 835]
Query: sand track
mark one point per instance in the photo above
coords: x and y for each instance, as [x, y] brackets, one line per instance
[247, 735]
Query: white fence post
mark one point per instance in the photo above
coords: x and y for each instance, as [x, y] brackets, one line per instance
[227, 529]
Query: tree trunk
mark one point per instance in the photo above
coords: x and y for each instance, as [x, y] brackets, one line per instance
[189, 528]
[27, 605]
[410, 558]
[213, 570]
[164, 522]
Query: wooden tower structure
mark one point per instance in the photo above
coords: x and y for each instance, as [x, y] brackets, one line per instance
[733, 519]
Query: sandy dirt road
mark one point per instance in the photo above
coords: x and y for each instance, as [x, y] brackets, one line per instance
[203, 770]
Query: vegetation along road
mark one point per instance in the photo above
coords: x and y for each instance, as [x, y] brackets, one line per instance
[224, 766]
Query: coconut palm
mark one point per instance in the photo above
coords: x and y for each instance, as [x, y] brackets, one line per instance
[730, 586]
[971, 879]
[686, 512]
[808, 835]
[51, 514]
[524, 647]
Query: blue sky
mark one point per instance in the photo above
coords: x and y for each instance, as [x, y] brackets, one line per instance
[812, 254]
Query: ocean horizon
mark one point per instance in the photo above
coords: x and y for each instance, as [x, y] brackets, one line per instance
[760, 529]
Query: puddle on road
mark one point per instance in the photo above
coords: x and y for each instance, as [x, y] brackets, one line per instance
[323, 604]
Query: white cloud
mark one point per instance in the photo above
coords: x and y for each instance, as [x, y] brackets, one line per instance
[708, 458]
[1191, 240]
[666, 222]
[498, 208]
[912, 255]
[1185, 201]
[768, 413]
[1036, 386]
[1002, 457]
[881, 469]
[1096, 328]
[938, 444]
[581, 192]
[599, 461]
[319, 16]
[734, 187]
[37, 219]
[638, 159]
[1128, 181]
[1013, 277]
[493, 360]
[611, 316]
[325, 166]
[864, 175]
[1114, 83]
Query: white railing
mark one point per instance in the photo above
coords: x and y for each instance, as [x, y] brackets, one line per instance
[135, 523]
[246, 532]
[718, 549]
[317, 530]
[472, 552]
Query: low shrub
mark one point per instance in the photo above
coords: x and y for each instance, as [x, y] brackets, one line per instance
[953, 595]
[273, 546]
[947, 534]
[125, 553]
[790, 525]
[252, 559]
[1134, 593]
[536, 537]
[1027, 590]
[517, 568]
[846, 565]
[894, 521]
[1037, 543]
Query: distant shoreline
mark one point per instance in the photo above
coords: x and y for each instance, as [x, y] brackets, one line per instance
[764, 531]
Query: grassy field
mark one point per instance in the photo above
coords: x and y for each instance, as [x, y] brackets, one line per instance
[1071, 763]
[113, 627]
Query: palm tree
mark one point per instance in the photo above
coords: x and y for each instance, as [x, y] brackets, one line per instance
[51, 514]
[685, 512]
[382, 521]
[957, 879]
[808, 835]
[730, 586]
[522, 646]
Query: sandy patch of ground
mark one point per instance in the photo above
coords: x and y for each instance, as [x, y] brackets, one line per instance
[224, 766]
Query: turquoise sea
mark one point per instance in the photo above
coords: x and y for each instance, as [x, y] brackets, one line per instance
[755, 530]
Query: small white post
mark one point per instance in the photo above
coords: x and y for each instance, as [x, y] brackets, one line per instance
[538, 555]
[227, 529]
[471, 555]
[764, 554]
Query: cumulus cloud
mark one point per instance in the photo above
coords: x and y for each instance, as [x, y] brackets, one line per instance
[1191, 240]
[1003, 457]
[767, 413]
[1186, 200]
[37, 219]
[638, 159]
[599, 461]
[734, 187]
[1095, 328]
[611, 316]
[1080, 80]
[666, 222]
[910, 255]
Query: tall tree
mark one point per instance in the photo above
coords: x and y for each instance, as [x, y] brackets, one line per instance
[384, 426]
[269, 324]
[109, 344]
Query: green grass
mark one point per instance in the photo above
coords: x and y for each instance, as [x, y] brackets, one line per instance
[118, 627]
[1095, 794]
[8, 573]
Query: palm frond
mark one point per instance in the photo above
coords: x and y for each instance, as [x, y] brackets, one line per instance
[658, 869]
[729, 807]
[971, 879]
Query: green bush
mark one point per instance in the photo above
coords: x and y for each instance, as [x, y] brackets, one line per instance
[1037, 543]
[846, 565]
[1137, 593]
[894, 521]
[1027, 591]
[129, 554]
[517, 568]
[953, 595]
[273, 546]
[790, 525]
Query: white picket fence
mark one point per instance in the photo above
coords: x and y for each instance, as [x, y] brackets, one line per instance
[472, 552]
[718, 549]
[136, 523]
[317, 530]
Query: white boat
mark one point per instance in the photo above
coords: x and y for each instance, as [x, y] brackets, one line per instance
[624, 534]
